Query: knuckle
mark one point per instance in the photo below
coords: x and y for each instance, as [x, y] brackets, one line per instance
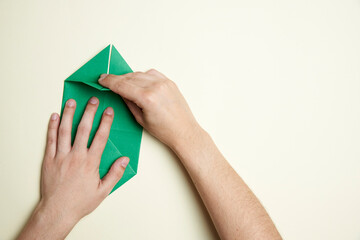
[161, 86]
[149, 97]
[166, 83]
[119, 85]
[90, 109]
[171, 83]
[52, 127]
[119, 173]
[132, 76]
[63, 131]
[152, 71]
[102, 135]
[112, 80]
[51, 141]
[83, 128]
[135, 74]
[107, 119]
[78, 155]
[110, 77]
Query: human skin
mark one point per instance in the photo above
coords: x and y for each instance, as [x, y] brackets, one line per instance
[70, 182]
[160, 108]
[157, 105]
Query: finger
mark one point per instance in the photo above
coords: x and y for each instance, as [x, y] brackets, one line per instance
[115, 174]
[64, 139]
[98, 144]
[85, 125]
[136, 111]
[139, 79]
[156, 73]
[51, 140]
[124, 86]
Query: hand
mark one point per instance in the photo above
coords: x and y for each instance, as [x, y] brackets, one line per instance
[70, 182]
[156, 103]
[70, 175]
[159, 107]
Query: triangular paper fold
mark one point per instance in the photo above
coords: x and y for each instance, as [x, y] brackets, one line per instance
[108, 60]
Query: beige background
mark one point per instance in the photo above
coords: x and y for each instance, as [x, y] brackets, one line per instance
[276, 83]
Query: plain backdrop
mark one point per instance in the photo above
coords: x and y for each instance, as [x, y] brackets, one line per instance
[276, 84]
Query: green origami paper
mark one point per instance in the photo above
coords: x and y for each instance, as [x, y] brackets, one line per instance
[125, 134]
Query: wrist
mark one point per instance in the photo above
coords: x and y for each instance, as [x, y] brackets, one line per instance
[50, 222]
[198, 153]
[56, 213]
[191, 142]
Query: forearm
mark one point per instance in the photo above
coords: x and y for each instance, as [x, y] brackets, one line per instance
[159, 107]
[234, 209]
[46, 223]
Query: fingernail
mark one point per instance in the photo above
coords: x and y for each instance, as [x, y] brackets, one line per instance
[109, 111]
[102, 76]
[93, 100]
[54, 116]
[70, 103]
[124, 162]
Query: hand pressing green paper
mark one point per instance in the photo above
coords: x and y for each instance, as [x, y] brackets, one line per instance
[125, 134]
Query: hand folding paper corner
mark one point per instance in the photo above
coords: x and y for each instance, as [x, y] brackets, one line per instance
[125, 134]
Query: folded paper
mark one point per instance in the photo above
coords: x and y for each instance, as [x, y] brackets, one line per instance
[125, 133]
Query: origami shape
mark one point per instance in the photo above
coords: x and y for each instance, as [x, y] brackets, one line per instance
[125, 133]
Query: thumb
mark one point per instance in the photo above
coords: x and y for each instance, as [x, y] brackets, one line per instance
[122, 85]
[115, 173]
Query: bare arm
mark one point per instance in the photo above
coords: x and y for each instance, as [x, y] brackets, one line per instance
[234, 209]
[159, 107]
